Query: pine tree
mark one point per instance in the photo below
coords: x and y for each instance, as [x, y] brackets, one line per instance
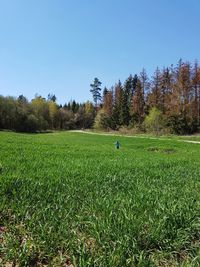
[118, 105]
[95, 90]
[196, 92]
[51, 97]
[144, 82]
[138, 102]
[134, 83]
[182, 87]
[166, 90]
[154, 97]
[108, 101]
[126, 101]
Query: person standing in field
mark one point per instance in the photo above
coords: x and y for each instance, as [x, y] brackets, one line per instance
[117, 144]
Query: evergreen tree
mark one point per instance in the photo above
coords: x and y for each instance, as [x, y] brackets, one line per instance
[144, 83]
[51, 97]
[74, 106]
[96, 91]
[138, 102]
[166, 90]
[108, 101]
[134, 83]
[182, 87]
[196, 92]
[118, 105]
[154, 97]
[126, 101]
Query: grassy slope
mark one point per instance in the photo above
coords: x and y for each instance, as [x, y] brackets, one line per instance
[73, 198]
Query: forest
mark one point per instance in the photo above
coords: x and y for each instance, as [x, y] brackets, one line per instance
[168, 102]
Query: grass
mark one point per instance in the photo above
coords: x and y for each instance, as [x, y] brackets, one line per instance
[72, 199]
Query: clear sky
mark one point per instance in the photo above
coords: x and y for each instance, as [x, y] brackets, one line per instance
[59, 46]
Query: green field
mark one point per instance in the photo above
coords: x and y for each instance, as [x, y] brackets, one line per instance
[72, 199]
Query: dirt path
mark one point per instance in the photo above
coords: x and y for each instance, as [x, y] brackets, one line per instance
[136, 136]
[189, 141]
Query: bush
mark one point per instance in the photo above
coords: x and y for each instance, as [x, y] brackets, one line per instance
[154, 122]
[31, 124]
[103, 121]
[137, 129]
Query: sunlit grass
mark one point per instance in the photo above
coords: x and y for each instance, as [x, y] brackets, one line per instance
[71, 198]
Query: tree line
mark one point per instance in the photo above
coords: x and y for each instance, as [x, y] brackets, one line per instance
[168, 102]
[41, 114]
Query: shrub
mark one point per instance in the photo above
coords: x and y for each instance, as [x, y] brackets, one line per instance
[154, 122]
[103, 121]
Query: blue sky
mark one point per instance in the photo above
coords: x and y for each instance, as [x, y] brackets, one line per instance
[59, 46]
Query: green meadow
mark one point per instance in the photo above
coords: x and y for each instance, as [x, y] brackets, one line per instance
[72, 199]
